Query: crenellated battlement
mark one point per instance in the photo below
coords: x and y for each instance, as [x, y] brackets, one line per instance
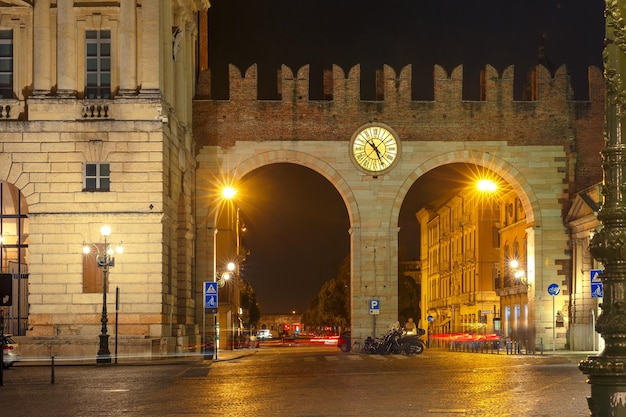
[392, 87]
[551, 117]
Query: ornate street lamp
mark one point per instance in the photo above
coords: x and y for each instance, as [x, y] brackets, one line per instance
[607, 371]
[104, 260]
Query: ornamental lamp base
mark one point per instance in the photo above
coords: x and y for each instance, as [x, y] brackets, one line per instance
[104, 355]
[607, 377]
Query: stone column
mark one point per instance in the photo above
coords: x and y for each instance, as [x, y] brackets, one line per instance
[66, 49]
[42, 82]
[607, 371]
[203, 45]
[531, 285]
[128, 47]
[372, 278]
[150, 48]
[180, 44]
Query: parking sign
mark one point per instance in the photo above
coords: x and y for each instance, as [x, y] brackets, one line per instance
[374, 306]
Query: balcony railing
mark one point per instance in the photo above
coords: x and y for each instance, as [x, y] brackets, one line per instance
[95, 110]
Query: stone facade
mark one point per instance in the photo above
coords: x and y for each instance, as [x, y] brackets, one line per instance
[140, 126]
[166, 151]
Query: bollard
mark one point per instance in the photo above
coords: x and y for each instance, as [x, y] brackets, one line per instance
[52, 371]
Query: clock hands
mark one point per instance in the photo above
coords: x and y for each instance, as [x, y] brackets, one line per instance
[373, 145]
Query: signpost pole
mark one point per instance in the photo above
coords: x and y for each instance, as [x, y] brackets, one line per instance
[554, 290]
[553, 327]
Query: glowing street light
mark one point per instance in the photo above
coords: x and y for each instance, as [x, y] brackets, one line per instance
[485, 185]
[229, 192]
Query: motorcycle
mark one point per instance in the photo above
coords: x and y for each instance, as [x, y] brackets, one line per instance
[395, 342]
[412, 344]
[391, 343]
[372, 345]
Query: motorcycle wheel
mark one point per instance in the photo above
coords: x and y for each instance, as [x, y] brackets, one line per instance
[418, 349]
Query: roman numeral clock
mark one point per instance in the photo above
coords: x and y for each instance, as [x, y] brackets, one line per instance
[374, 149]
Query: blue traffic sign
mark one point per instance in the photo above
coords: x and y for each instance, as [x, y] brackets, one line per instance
[210, 287]
[210, 296]
[374, 306]
[554, 289]
[597, 290]
[210, 301]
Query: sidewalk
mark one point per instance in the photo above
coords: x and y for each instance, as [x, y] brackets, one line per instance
[228, 355]
[222, 355]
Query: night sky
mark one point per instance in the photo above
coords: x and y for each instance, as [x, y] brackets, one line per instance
[297, 222]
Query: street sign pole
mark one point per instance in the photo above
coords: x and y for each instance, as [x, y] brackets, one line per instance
[553, 327]
[210, 304]
[554, 290]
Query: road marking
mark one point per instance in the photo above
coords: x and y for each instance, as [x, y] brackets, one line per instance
[310, 359]
[378, 357]
[354, 358]
[331, 358]
[447, 410]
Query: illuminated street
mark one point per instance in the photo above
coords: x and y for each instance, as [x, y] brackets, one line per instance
[306, 381]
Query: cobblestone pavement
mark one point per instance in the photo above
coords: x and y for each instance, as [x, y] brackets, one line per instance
[305, 382]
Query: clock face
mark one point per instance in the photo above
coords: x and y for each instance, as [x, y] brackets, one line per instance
[375, 148]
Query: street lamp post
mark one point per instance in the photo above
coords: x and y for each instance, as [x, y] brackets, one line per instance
[104, 260]
[606, 371]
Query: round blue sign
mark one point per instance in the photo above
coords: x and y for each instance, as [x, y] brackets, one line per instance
[554, 289]
[431, 319]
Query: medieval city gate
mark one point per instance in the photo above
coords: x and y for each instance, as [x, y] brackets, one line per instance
[530, 144]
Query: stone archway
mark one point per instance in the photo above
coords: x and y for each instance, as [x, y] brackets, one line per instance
[374, 202]
[14, 258]
[520, 186]
[247, 166]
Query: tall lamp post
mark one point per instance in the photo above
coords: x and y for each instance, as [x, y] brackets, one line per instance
[606, 371]
[104, 260]
[227, 276]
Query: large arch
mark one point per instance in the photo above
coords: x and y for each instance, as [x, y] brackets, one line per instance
[307, 160]
[518, 182]
[504, 169]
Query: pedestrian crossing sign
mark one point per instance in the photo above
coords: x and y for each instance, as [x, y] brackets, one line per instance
[596, 283]
[210, 296]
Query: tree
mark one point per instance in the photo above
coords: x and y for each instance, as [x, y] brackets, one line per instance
[248, 302]
[331, 306]
[409, 294]
[409, 291]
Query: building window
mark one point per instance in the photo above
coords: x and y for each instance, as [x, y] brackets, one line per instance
[98, 65]
[6, 64]
[97, 177]
[92, 274]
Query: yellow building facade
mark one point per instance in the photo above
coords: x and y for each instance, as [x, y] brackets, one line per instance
[96, 129]
[460, 263]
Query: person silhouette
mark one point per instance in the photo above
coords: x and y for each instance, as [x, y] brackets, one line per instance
[410, 327]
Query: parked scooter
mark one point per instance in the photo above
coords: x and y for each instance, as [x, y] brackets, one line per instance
[395, 342]
[391, 343]
[372, 345]
[412, 344]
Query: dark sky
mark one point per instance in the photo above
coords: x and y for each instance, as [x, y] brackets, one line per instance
[298, 233]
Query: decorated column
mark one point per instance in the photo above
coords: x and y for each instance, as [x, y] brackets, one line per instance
[607, 371]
